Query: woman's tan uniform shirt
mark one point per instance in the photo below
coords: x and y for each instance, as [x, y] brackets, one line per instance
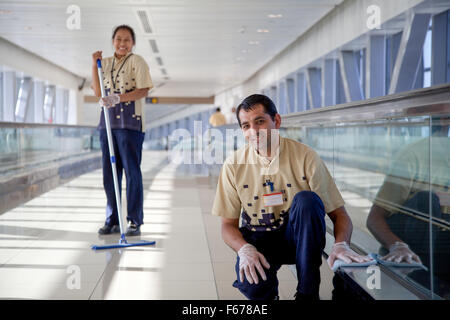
[130, 72]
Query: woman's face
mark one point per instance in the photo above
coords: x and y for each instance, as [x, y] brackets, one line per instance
[123, 42]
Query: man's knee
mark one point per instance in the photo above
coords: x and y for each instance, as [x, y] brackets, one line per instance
[307, 203]
[307, 197]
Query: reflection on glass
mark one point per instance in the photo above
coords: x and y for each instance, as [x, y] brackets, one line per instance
[390, 186]
[417, 185]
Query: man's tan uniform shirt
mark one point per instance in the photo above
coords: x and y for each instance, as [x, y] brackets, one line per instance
[245, 179]
[217, 119]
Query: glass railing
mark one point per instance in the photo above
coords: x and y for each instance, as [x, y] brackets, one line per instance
[25, 146]
[394, 176]
[391, 164]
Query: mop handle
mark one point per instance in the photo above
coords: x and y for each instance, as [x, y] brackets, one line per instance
[110, 147]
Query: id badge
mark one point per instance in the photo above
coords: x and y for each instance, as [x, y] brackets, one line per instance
[273, 199]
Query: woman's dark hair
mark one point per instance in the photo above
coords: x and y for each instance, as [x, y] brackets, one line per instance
[250, 102]
[124, 26]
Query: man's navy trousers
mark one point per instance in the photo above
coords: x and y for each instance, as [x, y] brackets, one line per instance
[298, 241]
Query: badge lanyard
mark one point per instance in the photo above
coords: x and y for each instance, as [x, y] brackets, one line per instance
[112, 70]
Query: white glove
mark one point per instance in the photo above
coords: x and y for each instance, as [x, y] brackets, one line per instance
[342, 251]
[400, 252]
[110, 101]
[249, 259]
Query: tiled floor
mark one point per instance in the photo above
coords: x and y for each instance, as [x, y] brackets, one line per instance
[45, 244]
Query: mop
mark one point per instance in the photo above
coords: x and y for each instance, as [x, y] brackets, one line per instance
[122, 242]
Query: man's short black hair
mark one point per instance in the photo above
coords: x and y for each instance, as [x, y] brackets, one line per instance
[249, 103]
[218, 109]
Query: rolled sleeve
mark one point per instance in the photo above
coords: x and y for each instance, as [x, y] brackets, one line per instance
[227, 203]
[143, 78]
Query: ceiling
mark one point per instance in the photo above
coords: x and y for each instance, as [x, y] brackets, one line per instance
[203, 46]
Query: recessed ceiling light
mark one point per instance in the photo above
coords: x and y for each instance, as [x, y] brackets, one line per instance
[244, 51]
[159, 61]
[154, 46]
[275, 16]
[253, 42]
[262, 30]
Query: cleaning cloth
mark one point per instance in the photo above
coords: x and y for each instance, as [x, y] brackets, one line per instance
[376, 260]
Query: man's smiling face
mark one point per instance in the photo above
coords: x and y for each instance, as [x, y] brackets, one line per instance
[257, 126]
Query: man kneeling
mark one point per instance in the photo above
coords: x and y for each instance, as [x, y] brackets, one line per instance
[284, 191]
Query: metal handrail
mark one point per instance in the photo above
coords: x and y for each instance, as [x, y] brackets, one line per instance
[42, 125]
[421, 102]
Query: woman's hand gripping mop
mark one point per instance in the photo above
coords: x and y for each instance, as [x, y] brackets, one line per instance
[122, 242]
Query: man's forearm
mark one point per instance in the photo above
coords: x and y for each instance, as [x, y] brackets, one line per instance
[343, 229]
[343, 226]
[232, 237]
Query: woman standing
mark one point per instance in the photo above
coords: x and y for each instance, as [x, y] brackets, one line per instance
[127, 80]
